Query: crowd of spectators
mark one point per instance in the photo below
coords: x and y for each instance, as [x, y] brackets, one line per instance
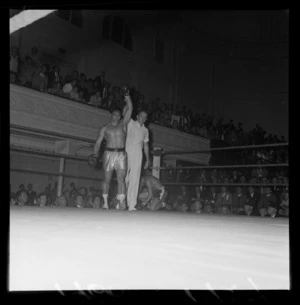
[231, 198]
[98, 92]
[254, 200]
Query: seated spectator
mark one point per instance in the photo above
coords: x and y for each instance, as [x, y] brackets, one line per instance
[176, 116]
[27, 71]
[35, 57]
[252, 200]
[96, 87]
[40, 79]
[57, 90]
[89, 87]
[210, 200]
[66, 194]
[42, 200]
[74, 93]
[101, 79]
[68, 87]
[214, 176]
[104, 91]
[183, 200]
[97, 202]
[83, 191]
[47, 191]
[79, 201]
[21, 188]
[238, 201]
[235, 176]
[175, 124]
[14, 60]
[31, 194]
[89, 203]
[276, 190]
[54, 77]
[242, 179]
[198, 199]
[96, 100]
[284, 205]
[60, 201]
[267, 203]
[91, 191]
[53, 193]
[72, 198]
[224, 201]
[21, 198]
[72, 187]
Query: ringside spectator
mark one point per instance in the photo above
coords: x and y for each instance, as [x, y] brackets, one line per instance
[42, 200]
[14, 60]
[267, 203]
[54, 77]
[31, 194]
[22, 198]
[224, 201]
[238, 201]
[40, 79]
[252, 200]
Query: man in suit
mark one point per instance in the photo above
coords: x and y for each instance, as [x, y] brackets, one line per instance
[267, 204]
[210, 200]
[224, 201]
[183, 199]
[238, 201]
[31, 195]
[252, 199]
[198, 199]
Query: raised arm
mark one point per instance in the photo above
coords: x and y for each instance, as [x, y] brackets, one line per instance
[99, 141]
[127, 111]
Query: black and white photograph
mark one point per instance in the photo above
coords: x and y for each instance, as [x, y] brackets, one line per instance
[148, 149]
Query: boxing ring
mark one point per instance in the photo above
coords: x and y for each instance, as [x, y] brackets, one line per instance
[58, 249]
[55, 248]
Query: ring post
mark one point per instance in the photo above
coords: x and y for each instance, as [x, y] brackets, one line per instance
[157, 153]
[61, 176]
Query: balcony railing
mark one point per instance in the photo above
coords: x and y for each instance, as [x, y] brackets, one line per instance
[39, 119]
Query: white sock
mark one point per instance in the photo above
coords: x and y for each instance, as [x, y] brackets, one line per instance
[105, 199]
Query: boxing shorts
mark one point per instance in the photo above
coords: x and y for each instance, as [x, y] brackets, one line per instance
[114, 159]
[161, 193]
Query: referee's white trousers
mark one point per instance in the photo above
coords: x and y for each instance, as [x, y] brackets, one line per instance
[134, 163]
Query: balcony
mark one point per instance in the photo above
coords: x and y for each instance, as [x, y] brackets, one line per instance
[54, 124]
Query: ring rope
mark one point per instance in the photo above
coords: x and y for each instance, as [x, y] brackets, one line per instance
[172, 152]
[51, 133]
[221, 166]
[46, 153]
[224, 183]
[54, 174]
